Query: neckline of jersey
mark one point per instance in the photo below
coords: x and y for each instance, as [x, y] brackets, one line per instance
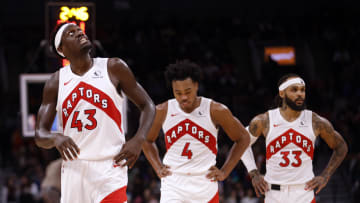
[179, 108]
[87, 72]
[290, 122]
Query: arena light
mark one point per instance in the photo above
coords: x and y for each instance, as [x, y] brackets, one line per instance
[283, 55]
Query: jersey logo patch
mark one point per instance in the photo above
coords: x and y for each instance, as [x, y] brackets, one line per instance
[290, 136]
[97, 74]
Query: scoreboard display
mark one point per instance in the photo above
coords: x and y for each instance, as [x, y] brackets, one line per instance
[80, 13]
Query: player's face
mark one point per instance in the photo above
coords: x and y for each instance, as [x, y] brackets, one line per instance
[74, 40]
[185, 92]
[294, 97]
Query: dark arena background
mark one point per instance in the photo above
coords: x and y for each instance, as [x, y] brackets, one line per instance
[243, 48]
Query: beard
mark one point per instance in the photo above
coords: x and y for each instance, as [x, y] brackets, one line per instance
[293, 105]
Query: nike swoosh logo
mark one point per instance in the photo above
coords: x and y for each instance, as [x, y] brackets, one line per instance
[174, 114]
[116, 165]
[65, 83]
[276, 125]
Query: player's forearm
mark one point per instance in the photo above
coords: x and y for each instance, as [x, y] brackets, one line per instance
[146, 119]
[152, 154]
[337, 157]
[235, 153]
[44, 139]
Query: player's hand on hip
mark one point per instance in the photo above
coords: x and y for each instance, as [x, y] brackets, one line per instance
[130, 152]
[318, 182]
[67, 147]
[163, 171]
[259, 184]
[215, 174]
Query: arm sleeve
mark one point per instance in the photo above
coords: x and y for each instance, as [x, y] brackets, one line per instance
[248, 156]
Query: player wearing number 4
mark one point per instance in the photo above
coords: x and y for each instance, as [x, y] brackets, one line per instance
[290, 132]
[190, 124]
[88, 96]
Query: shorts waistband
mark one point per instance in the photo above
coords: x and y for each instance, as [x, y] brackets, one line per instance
[287, 187]
[190, 173]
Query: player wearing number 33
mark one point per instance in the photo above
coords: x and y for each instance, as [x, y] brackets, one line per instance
[290, 132]
[88, 96]
[190, 124]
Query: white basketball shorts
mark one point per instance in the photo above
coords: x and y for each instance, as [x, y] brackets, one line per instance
[180, 188]
[93, 182]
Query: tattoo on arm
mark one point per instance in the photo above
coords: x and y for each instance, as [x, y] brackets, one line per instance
[259, 125]
[253, 128]
[334, 140]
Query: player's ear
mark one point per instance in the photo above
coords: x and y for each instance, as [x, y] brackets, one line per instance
[60, 48]
[196, 86]
[282, 94]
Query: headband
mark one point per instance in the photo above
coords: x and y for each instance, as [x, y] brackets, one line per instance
[58, 37]
[293, 81]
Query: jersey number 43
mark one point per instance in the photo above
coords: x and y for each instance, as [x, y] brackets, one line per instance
[75, 123]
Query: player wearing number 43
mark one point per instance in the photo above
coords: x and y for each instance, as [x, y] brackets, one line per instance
[290, 132]
[190, 125]
[88, 96]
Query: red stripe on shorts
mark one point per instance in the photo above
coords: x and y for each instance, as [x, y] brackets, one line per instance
[215, 199]
[313, 201]
[118, 196]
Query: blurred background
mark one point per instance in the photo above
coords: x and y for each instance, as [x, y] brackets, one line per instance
[243, 48]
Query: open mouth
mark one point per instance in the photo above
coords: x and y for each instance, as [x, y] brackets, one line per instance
[299, 101]
[184, 103]
[83, 39]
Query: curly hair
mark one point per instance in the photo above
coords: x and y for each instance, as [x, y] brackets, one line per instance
[182, 70]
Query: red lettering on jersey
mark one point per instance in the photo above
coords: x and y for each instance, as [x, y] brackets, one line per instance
[190, 128]
[95, 97]
[290, 136]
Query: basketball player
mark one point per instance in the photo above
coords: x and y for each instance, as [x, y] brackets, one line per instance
[190, 124]
[290, 132]
[88, 97]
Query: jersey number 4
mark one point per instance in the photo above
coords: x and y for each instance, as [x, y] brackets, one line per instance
[186, 151]
[286, 162]
[75, 123]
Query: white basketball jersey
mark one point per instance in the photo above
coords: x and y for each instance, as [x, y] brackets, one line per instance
[90, 111]
[191, 138]
[289, 149]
